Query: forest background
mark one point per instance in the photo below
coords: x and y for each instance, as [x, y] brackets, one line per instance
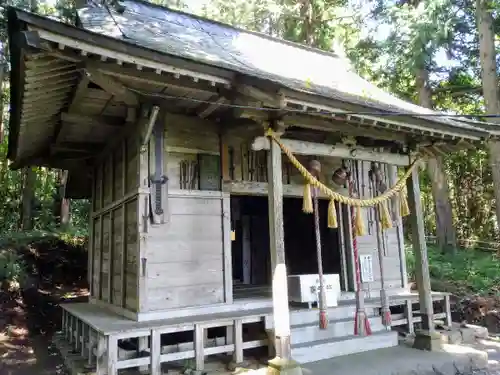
[440, 54]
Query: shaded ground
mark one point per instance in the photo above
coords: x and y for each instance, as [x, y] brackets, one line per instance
[30, 314]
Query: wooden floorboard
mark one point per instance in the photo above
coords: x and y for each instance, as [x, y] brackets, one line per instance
[108, 322]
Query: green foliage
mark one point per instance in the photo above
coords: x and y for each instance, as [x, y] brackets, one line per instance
[12, 267]
[470, 271]
[20, 252]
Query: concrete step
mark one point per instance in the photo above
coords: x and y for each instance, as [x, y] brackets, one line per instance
[309, 316]
[336, 347]
[337, 328]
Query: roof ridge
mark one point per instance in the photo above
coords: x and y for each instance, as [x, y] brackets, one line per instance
[256, 33]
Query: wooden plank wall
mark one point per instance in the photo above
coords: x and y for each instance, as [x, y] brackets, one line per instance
[186, 138]
[368, 244]
[114, 228]
[248, 165]
[185, 256]
[186, 259]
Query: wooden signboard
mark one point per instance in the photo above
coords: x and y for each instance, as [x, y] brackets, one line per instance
[210, 172]
[366, 266]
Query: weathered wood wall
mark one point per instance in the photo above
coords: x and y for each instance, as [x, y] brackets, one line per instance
[393, 243]
[186, 256]
[114, 246]
[184, 260]
[247, 169]
[244, 171]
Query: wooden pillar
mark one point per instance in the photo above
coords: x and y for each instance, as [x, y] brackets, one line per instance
[398, 220]
[427, 338]
[281, 313]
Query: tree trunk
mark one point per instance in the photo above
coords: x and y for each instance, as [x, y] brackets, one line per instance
[445, 231]
[3, 69]
[487, 55]
[306, 13]
[65, 207]
[61, 206]
[27, 198]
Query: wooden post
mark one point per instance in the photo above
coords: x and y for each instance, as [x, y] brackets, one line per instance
[199, 346]
[409, 316]
[155, 353]
[447, 307]
[112, 355]
[238, 341]
[281, 314]
[427, 338]
[101, 355]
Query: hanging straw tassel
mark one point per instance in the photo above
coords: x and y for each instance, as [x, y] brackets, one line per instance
[359, 223]
[332, 215]
[307, 204]
[385, 216]
[403, 205]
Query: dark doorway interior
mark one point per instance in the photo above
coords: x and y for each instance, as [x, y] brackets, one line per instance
[250, 249]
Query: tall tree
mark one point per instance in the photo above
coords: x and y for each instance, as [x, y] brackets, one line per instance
[487, 56]
[418, 29]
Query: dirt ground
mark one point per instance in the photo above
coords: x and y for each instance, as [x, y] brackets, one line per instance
[30, 315]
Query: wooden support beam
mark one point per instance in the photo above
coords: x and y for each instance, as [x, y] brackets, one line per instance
[332, 124]
[262, 188]
[238, 341]
[94, 121]
[427, 338]
[416, 123]
[113, 87]
[152, 77]
[241, 127]
[338, 151]
[128, 129]
[77, 147]
[45, 160]
[275, 100]
[79, 93]
[281, 311]
[207, 109]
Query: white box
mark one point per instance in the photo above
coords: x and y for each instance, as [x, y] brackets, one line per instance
[304, 288]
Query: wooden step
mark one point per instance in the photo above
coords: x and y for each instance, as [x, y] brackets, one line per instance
[336, 347]
[310, 316]
[336, 329]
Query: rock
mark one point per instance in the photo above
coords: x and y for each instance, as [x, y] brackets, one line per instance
[452, 337]
[232, 366]
[468, 336]
[479, 332]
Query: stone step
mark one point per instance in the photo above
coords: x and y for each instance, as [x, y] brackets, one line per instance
[336, 347]
[309, 316]
[337, 328]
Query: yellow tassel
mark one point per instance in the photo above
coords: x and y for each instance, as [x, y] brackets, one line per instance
[403, 205]
[307, 204]
[385, 216]
[359, 224]
[332, 215]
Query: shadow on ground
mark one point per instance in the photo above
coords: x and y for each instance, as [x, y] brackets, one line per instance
[29, 316]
